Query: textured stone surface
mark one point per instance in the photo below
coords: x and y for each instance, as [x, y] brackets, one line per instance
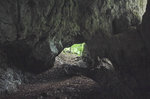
[10, 78]
[111, 16]
[127, 51]
[39, 30]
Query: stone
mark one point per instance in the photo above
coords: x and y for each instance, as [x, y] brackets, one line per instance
[40, 30]
[10, 78]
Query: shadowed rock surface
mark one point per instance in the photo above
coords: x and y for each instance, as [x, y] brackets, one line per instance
[39, 30]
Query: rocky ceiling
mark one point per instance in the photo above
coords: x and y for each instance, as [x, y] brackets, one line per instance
[33, 32]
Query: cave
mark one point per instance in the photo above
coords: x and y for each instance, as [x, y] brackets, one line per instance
[111, 63]
[71, 55]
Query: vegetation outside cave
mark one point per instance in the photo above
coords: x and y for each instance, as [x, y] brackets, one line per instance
[75, 49]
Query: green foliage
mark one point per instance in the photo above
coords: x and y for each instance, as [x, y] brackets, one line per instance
[75, 49]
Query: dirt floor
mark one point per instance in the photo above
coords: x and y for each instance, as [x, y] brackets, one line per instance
[56, 84]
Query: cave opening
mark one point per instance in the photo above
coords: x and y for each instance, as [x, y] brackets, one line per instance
[70, 55]
[75, 49]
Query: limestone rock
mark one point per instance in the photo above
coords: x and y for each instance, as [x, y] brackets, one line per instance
[39, 30]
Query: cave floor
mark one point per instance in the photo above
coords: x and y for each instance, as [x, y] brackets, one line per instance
[55, 84]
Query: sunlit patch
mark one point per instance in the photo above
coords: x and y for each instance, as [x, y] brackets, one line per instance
[75, 49]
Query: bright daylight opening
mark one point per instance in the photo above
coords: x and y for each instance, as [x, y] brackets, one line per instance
[75, 49]
[70, 55]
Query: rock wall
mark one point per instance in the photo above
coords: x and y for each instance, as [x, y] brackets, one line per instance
[127, 49]
[33, 32]
[146, 25]
[110, 16]
[146, 36]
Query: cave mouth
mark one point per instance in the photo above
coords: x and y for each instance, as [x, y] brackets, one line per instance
[70, 55]
[76, 49]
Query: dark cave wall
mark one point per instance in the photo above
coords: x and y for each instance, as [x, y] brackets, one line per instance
[33, 32]
[145, 26]
[128, 51]
[146, 36]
